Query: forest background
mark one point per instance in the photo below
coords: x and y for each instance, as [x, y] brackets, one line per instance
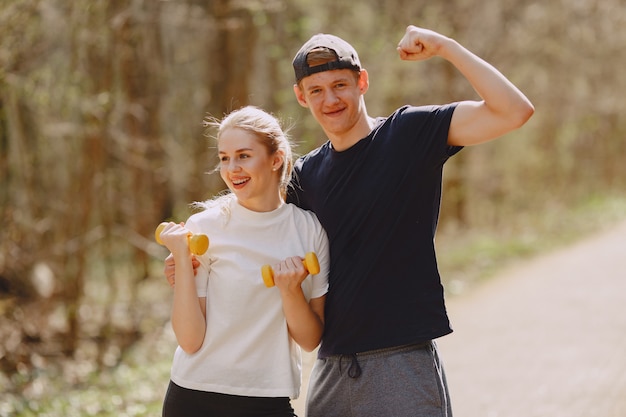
[101, 139]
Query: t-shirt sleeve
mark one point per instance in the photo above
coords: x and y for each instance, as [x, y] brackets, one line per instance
[319, 282]
[424, 131]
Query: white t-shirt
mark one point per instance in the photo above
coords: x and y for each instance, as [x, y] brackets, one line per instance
[247, 349]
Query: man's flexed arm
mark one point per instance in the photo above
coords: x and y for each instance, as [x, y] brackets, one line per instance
[503, 107]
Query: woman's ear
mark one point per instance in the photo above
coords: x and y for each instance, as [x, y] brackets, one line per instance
[279, 160]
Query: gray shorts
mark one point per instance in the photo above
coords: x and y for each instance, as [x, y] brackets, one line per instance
[405, 381]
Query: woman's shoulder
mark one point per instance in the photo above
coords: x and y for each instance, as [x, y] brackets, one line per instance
[298, 211]
[210, 210]
[301, 213]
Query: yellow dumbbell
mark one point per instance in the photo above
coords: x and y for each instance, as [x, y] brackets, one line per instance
[310, 262]
[198, 244]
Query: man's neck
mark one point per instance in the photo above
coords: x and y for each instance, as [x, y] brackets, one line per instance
[349, 139]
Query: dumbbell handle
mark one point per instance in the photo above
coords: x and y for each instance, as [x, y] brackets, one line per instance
[198, 244]
[310, 262]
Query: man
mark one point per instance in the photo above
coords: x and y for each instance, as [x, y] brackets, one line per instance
[376, 188]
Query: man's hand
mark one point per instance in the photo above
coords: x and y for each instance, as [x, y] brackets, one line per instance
[419, 44]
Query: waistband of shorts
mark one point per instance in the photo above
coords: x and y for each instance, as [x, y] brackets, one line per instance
[385, 351]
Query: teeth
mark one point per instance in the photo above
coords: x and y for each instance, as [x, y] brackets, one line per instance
[238, 182]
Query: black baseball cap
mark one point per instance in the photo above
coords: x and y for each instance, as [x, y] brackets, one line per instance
[347, 57]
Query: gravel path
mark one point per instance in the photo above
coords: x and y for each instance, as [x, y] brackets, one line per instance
[545, 338]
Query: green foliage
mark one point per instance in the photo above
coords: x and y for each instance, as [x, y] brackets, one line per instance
[469, 257]
[135, 388]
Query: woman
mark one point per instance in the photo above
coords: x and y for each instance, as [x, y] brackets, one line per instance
[238, 351]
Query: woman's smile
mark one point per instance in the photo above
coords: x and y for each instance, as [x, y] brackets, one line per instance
[247, 169]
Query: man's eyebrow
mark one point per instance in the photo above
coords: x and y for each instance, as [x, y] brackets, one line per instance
[334, 81]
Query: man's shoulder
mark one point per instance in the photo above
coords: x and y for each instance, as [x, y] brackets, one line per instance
[423, 110]
[314, 156]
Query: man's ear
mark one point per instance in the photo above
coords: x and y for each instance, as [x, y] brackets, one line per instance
[300, 96]
[364, 81]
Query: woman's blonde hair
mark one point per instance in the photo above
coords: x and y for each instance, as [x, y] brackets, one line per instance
[267, 128]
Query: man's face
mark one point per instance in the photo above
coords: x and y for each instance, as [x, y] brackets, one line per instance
[334, 98]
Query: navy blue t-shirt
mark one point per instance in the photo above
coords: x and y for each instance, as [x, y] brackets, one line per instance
[379, 203]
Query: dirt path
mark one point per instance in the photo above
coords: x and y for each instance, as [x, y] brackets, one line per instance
[546, 338]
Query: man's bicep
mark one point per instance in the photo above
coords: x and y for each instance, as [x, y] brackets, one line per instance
[473, 123]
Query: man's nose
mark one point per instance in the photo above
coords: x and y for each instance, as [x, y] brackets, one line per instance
[331, 97]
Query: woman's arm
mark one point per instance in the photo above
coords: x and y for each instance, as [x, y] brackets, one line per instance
[188, 310]
[305, 320]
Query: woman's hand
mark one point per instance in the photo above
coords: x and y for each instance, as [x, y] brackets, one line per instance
[289, 274]
[170, 268]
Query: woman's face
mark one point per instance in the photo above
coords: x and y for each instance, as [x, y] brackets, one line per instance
[249, 171]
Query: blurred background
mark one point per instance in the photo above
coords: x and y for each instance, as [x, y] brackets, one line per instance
[101, 139]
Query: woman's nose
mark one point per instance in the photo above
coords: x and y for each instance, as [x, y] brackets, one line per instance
[233, 166]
